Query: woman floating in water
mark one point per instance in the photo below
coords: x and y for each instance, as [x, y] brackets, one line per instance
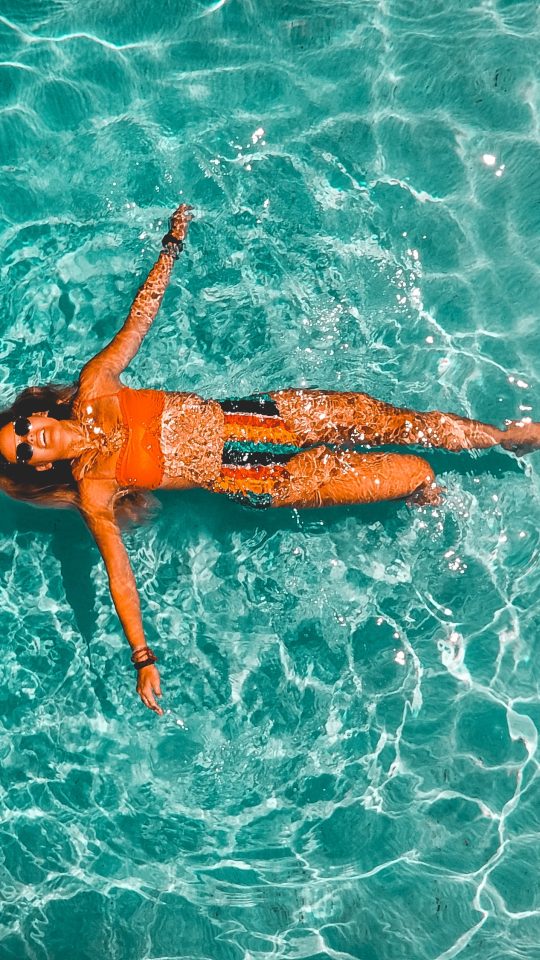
[96, 443]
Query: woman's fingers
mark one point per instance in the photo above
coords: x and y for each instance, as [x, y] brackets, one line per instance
[180, 219]
[148, 685]
[152, 705]
[152, 700]
[149, 701]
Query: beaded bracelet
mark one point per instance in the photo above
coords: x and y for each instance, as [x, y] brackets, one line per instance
[149, 658]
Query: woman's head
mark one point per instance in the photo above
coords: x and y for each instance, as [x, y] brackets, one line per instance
[30, 435]
[38, 441]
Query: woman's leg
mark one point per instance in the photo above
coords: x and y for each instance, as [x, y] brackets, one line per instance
[318, 416]
[322, 477]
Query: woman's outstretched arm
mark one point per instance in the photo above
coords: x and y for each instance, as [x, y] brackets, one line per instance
[96, 501]
[120, 351]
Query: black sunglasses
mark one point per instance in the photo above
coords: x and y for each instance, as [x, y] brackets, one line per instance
[24, 451]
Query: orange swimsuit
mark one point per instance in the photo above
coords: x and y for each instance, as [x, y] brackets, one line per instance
[140, 461]
[257, 446]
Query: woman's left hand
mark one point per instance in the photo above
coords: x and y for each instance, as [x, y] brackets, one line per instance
[149, 687]
[180, 221]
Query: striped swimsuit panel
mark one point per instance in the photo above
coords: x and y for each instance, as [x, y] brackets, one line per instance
[258, 446]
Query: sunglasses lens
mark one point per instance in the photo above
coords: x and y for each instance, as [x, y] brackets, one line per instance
[24, 452]
[21, 426]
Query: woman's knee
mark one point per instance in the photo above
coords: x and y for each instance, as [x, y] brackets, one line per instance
[393, 476]
[421, 473]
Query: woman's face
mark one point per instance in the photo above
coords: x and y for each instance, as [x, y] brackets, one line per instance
[44, 435]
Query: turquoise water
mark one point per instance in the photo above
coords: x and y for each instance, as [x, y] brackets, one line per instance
[347, 766]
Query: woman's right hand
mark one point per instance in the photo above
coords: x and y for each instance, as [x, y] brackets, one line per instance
[149, 687]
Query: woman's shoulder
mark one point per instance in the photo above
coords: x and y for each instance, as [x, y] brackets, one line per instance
[91, 391]
[97, 495]
[93, 383]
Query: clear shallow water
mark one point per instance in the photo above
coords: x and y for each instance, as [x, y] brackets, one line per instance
[347, 767]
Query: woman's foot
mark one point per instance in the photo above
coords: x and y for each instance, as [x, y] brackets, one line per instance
[428, 495]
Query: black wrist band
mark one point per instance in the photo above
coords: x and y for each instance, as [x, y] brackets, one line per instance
[170, 238]
[147, 653]
[145, 663]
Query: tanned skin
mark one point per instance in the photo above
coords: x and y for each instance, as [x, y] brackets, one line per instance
[320, 476]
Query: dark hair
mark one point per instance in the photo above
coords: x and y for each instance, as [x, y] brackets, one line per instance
[57, 486]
